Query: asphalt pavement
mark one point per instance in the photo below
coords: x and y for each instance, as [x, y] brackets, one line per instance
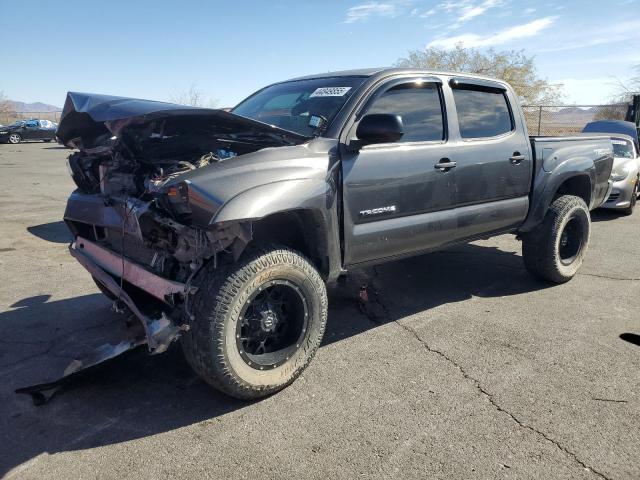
[461, 365]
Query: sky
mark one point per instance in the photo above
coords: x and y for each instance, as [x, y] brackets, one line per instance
[228, 49]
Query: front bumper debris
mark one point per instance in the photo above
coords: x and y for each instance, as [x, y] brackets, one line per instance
[98, 260]
[41, 393]
[159, 330]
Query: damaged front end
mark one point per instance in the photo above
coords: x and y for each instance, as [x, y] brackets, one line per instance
[139, 229]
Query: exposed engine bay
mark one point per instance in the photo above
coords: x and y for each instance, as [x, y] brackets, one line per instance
[165, 238]
[132, 164]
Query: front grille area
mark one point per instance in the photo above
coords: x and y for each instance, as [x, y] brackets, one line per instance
[613, 196]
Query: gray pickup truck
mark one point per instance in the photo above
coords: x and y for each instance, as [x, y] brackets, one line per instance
[223, 227]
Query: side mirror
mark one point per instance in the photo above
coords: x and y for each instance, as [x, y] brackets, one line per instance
[380, 128]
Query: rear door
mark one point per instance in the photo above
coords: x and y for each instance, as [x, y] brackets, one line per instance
[394, 195]
[492, 153]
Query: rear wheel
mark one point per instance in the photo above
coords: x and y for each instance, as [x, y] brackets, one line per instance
[257, 323]
[14, 138]
[555, 249]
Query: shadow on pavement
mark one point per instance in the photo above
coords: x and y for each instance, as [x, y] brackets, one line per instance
[137, 395]
[605, 215]
[631, 338]
[56, 232]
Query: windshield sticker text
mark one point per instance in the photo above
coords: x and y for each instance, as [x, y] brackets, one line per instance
[330, 92]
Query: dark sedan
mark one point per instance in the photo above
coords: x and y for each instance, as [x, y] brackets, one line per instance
[44, 130]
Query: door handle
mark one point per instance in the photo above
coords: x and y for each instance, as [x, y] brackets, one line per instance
[517, 159]
[445, 165]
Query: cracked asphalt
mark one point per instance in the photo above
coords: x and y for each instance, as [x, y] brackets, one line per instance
[460, 365]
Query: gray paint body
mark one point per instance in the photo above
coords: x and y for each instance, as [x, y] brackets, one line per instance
[486, 194]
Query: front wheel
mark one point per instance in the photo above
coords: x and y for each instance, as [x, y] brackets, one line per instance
[256, 324]
[14, 138]
[633, 200]
[555, 249]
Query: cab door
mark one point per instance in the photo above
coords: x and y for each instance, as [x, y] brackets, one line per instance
[396, 195]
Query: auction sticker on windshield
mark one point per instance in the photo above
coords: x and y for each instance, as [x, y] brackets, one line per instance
[330, 92]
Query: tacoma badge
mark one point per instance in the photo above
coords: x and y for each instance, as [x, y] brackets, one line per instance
[378, 211]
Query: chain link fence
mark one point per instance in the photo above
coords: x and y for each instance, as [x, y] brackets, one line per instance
[558, 120]
[7, 118]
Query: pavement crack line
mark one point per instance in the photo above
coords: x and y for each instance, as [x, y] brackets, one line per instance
[620, 279]
[489, 396]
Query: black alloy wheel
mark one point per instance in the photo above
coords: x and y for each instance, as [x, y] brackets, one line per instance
[272, 324]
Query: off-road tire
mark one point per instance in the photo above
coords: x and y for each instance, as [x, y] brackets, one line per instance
[633, 201]
[541, 246]
[210, 343]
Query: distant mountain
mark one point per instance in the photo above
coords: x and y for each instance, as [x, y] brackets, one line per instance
[576, 110]
[22, 107]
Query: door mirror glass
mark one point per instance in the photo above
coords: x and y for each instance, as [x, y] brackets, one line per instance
[380, 128]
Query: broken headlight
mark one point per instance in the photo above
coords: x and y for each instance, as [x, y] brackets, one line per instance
[176, 200]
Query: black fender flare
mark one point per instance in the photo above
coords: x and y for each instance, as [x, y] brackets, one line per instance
[304, 194]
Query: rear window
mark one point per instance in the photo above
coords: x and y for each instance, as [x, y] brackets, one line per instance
[482, 112]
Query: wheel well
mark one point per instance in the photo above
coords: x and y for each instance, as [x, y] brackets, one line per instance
[580, 186]
[298, 230]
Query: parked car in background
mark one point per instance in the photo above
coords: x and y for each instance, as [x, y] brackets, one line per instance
[625, 174]
[33, 129]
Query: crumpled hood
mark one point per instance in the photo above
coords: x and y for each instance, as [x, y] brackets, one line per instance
[91, 120]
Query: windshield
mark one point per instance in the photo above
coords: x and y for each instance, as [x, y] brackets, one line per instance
[291, 105]
[622, 148]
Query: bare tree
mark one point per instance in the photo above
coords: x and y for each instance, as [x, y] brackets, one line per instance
[513, 66]
[6, 109]
[617, 110]
[619, 104]
[194, 97]
[632, 86]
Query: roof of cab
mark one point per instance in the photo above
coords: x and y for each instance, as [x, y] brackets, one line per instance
[360, 72]
[370, 72]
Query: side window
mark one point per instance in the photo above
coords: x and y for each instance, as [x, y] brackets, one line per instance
[482, 112]
[419, 106]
